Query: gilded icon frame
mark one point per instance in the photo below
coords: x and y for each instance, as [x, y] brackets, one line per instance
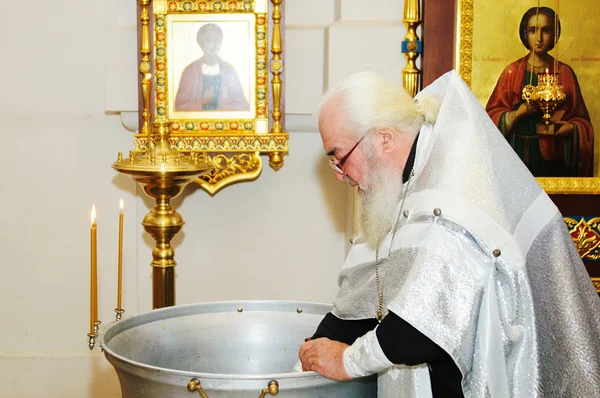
[470, 62]
[232, 139]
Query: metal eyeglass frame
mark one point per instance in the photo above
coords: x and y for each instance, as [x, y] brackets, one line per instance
[337, 167]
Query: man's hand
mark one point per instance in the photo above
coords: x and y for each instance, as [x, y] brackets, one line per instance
[565, 128]
[526, 109]
[324, 356]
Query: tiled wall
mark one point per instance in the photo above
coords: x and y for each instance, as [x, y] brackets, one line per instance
[327, 40]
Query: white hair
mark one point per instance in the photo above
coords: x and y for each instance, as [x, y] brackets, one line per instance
[369, 101]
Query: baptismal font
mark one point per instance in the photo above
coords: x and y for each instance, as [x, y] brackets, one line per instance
[222, 349]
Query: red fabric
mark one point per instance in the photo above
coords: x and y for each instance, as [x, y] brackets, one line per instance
[189, 93]
[507, 97]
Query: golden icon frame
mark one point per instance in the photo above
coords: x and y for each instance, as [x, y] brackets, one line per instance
[232, 141]
[464, 59]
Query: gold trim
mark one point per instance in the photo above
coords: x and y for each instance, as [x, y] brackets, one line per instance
[164, 83]
[211, 6]
[463, 54]
[463, 63]
[234, 141]
[596, 282]
[266, 143]
[583, 185]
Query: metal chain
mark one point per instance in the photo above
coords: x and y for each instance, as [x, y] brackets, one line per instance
[379, 312]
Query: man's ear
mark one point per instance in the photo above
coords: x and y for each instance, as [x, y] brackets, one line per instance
[388, 139]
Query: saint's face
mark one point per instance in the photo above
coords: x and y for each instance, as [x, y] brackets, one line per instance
[210, 43]
[540, 39]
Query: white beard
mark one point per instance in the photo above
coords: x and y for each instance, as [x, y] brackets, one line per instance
[377, 204]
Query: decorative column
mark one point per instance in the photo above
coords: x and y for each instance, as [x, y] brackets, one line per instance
[411, 47]
[275, 158]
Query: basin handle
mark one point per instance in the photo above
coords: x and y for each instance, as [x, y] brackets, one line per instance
[272, 389]
[194, 385]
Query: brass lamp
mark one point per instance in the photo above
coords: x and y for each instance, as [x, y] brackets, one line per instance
[548, 94]
[163, 173]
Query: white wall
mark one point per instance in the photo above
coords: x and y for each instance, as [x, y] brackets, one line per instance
[288, 226]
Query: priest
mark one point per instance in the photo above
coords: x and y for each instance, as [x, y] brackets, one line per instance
[464, 280]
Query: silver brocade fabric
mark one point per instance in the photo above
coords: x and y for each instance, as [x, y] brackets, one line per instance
[494, 280]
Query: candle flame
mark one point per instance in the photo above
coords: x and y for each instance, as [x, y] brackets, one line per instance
[547, 71]
[121, 204]
[93, 214]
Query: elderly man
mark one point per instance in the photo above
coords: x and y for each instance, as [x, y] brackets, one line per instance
[464, 281]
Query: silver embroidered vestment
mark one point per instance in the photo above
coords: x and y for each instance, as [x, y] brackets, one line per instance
[482, 264]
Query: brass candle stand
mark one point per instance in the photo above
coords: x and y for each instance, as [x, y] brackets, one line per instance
[92, 336]
[92, 340]
[163, 173]
[119, 314]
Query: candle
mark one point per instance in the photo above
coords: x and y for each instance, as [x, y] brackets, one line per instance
[547, 71]
[120, 259]
[93, 274]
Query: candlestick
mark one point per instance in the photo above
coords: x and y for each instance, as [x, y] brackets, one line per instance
[93, 274]
[119, 309]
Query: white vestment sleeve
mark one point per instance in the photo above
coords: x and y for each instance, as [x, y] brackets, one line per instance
[297, 367]
[365, 357]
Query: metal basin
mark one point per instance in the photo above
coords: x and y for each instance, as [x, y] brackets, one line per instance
[230, 349]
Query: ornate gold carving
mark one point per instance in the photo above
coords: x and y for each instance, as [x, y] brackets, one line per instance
[586, 236]
[556, 186]
[276, 67]
[224, 140]
[464, 50]
[548, 94]
[209, 6]
[275, 160]
[596, 282]
[208, 126]
[411, 75]
[228, 169]
[267, 143]
[145, 66]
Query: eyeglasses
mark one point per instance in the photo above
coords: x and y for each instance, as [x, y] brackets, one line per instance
[337, 167]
